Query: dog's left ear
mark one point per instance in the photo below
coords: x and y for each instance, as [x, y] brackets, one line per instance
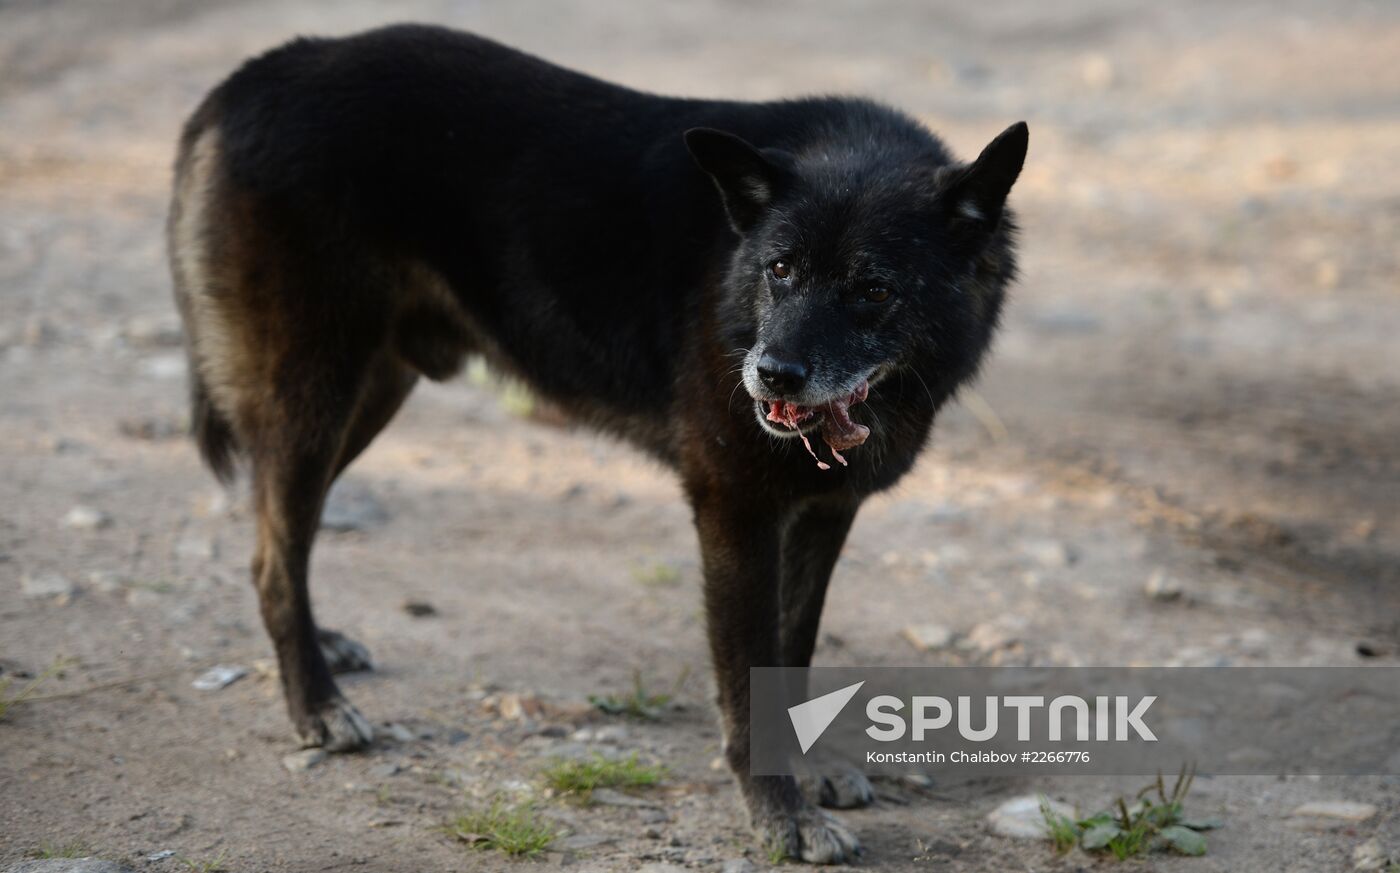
[749, 180]
[976, 192]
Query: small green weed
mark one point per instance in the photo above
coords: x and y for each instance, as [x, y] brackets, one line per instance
[657, 574]
[580, 778]
[213, 865]
[61, 850]
[641, 703]
[511, 828]
[1147, 825]
[8, 701]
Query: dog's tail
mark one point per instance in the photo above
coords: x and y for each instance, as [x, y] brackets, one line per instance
[188, 237]
[211, 430]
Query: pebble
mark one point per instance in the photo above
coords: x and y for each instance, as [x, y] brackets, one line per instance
[197, 547]
[107, 581]
[170, 366]
[419, 608]
[400, 733]
[1163, 587]
[384, 771]
[1020, 818]
[219, 677]
[660, 867]
[611, 733]
[1048, 553]
[300, 762]
[575, 842]
[1370, 856]
[48, 584]
[352, 506]
[519, 707]
[161, 855]
[1340, 809]
[86, 518]
[739, 865]
[927, 637]
[68, 865]
[153, 331]
[993, 636]
[609, 797]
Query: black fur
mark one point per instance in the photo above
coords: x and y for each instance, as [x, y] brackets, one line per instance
[384, 204]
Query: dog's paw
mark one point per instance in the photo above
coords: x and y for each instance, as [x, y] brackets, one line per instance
[842, 786]
[342, 654]
[336, 726]
[809, 834]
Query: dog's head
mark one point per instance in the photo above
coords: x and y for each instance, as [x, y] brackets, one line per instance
[857, 261]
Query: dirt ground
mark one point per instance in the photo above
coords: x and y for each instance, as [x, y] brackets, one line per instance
[1199, 380]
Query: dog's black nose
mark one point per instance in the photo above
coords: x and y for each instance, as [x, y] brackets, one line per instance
[781, 374]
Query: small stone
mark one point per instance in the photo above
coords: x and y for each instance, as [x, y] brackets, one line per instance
[163, 367]
[519, 707]
[107, 581]
[917, 780]
[352, 506]
[68, 865]
[575, 842]
[927, 637]
[300, 762]
[142, 598]
[152, 429]
[739, 865]
[197, 547]
[1020, 818]
[1048, 553]
[419, 608]
[610, 733]
[660, 867]
[993, 636]
[1340, 809]
[384, 771]
[1254, 641]
[153, 331]
[161, 855]
[399, 733]
[48, 584]
[86, 518]
[1370, 856]
[1163, 587]
[609, 797]
[222, 676]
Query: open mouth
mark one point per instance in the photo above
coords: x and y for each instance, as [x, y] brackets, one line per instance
[838, 431]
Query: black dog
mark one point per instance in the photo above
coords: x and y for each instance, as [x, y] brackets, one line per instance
[730, 286]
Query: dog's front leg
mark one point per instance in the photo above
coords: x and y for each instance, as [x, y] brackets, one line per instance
[740, 545]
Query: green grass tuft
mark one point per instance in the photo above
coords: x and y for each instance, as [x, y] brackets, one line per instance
[1148, 824]
[580, 778]
[213, 865]
[641, 704]
[61, 850]
[513, 829]
[8, 701]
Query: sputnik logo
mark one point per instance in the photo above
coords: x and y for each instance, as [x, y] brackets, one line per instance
[811, 719]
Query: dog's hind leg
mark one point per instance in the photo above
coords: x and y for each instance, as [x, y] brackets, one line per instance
[811, 544]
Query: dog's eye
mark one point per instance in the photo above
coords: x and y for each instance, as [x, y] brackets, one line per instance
[781, 270]
[876, 294]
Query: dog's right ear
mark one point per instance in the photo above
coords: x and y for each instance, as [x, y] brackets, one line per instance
[748, 179]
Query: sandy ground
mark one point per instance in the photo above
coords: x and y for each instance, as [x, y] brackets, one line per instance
[1199, 379]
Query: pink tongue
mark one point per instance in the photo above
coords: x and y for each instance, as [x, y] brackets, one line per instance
[838, 431]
